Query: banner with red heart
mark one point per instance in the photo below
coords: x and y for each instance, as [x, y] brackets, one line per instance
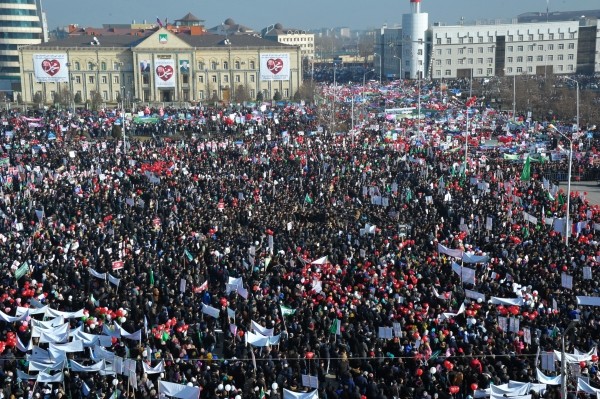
[164, 72]
[51, 67]
[275, 65]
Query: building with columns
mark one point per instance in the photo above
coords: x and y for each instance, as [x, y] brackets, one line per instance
[160, 67]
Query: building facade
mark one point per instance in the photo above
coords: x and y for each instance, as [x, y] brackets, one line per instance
[521, 48]
[20, 24]
[293, 37]
[160, 67]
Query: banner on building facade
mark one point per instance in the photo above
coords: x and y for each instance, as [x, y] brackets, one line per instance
[274, 66]
[164, 72]
[51, 67]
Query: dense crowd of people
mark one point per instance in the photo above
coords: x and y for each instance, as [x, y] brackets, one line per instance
[339, 249]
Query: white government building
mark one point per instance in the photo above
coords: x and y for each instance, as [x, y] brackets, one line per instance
[445, 52]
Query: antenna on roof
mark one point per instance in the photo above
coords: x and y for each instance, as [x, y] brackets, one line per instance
[547, 9]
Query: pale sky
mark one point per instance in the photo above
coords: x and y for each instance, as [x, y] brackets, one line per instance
[304, 14]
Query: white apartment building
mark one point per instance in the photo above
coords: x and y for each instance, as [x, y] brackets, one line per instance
[292, 37]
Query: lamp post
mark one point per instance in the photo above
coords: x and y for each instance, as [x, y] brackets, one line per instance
[563, 363]
[399, 66]
[577, 87]
[380, 65]
[467, 111]
[567, 231]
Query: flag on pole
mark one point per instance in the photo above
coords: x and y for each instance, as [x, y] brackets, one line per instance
[159, 22]
[189, 255]
[307, 199]
[151, 277]
[118, 264]
[526, 174]
[335, 327]
[286, 311]
[201, 288]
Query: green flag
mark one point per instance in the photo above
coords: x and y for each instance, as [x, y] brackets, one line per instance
[307, 199]
[526, 175]
[335, 327]
[286, 311]
[188, 255]
[561, 199]
[408, 195]
[151, 277]
[22, 270]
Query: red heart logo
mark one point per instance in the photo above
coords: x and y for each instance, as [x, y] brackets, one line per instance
[165, 72]
[51, 67]
[275, 65]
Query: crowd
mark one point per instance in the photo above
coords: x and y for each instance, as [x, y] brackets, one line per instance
[245, 265]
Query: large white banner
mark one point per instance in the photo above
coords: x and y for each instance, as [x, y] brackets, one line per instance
[275, 66]
[164, 72]
[51, 67]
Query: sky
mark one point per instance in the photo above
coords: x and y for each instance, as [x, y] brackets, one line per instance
[304, 14]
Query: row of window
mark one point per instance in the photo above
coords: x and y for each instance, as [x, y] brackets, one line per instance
[20, 24]
[509, 70]
[510, 38]
[18, 11]
[540, 47]
[17, 1]
[19, 35]
[558, 68]
[214, 65]
[549, 57]
[463, 40]
[470, 50]
[296, 39]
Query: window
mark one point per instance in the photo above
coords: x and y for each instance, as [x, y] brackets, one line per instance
[560, 57]
[480, 50]
[561, 36]
[461, 51]
[90, 66]
[540, 47]
[479, 71]
[470, 50]
[78, 79]
[529, 69]
[438, 72]
[447, 72]
[510, 38]
[448, 40]
[214, 78]
[510, 59]
[225, 65]
[561, 46]
[145, 79]
[520, 58]
[201, 66]
[519, 48]
[448, 62]
[420, 52]
[104, 80]
[491, 49]
[438, 62]
[530, 37]
[252, 65]
[520, 38]
[438, 41]
[571, 46]
[116, 79]
[103, 66]
[572, 35]
[570, 57]
[286, 93]
[551, 36]
[542, 36]
[91, 79]
[461, 61]
[226, 78]
[238, 79]
[530, 47]
[116, 95]
[571, 67]
[540, 58]
[252, 78]
[509, 70]
[201, 78]
[237, 65]
[550, 57]
[252, 93]
[461, 40]
[116, 65]
[471, 40]
[185, 79]
[490, 60]
[470, 61]
[560, 68]
[79, 92]
[551, 47]
[213, 65]
[519, 69]
[510, 48]
[77, 66]
[480, 60]
[529, 58]
[449, 51]
[201, 95]
[214, 93]
[105, 95]
[438, 51]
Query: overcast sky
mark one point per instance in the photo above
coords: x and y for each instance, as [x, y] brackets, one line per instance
[304, 14]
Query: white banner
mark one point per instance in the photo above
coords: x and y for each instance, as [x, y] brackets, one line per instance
[164, 72]
[275, 66]
[50, 67]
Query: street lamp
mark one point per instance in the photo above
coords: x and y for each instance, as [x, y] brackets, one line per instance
[380, 65]
[399, 66]
[467, 132]
[568, 232]
[563, 362]
[577, 86]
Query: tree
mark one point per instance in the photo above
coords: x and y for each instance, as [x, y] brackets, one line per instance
[37, 98]
[277, 96]
[259, 96]
[306, 92]
[241, 94]
[78, 99]
[19, 99]
[96, 100]
[215, 97]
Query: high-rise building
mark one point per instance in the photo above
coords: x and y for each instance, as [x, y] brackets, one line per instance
[20, 24]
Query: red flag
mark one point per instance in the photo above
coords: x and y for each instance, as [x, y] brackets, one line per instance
[203, 287]
[118, 264]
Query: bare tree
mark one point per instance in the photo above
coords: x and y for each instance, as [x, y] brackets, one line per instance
[241, 94]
